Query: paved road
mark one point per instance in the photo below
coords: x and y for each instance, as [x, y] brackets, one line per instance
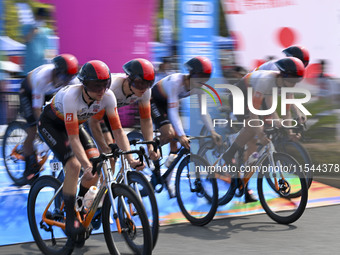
[316, 232]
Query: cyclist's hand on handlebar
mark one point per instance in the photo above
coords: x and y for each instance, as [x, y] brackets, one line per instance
[216, 138]
[294, 136]
[262, 138]
[152, 154]
[184, 141]
[136, 164]
[301, 119]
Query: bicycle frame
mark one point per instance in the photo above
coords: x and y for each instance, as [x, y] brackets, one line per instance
[183, 151]
[108, 180]
[266, 152]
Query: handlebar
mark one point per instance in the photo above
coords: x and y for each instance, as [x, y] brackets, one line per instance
[115, 153]
[274, 130]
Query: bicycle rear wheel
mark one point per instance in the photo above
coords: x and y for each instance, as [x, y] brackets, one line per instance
[138, 182]
[196, 190]
[12, 151]
[136, 235]
[50, 239]
[276, 199]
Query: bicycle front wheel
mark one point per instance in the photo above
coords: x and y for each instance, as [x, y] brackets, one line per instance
[135, 235]
[196, 190]
[49, 238]
[301, 155]
[140, 184]
[12, 151]
[275, 185]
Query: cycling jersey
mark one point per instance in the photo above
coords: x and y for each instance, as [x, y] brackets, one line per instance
[269, 66]
[66, 112]
[36, 88]
[262, 82]
[165, 102]
[122, 100]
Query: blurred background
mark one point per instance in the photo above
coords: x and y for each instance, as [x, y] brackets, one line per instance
[237, 35]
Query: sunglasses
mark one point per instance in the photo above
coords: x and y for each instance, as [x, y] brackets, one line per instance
[97, 87]
[140, 84]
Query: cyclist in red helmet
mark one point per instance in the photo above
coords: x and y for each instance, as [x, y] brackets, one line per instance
[42, 82]
[290, 71]
[301, 53]
[166, 94]
[132, 87]
[60, 127]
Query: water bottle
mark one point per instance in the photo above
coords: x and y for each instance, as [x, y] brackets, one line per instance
[89, 197]
[252, 158]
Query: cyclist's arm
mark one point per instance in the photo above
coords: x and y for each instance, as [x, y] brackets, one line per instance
[147, 126]
[72, 128]
[118, 132]
[175, 119]
[206, 118]
[94, 124]
[269, 101]
[258, 98]
[145, 120]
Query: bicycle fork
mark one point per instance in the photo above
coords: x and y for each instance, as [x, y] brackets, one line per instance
[109, 180]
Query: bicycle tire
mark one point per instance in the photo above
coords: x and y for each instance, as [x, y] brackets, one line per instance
[46, 245]
[149, 201]
[280, 206]
[211, 153]
[120, 191]
[198, 212]
[296, 149]
[15, 135]
[297, 192]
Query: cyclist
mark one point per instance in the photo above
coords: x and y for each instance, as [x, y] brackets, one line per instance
[291, 71]
[296, 51]
[43, 81]
[166, 94]
[59, 127]
[301, 53]
[132, 87]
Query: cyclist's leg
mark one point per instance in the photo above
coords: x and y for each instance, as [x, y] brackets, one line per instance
[91, 150]
[27, 112]
[54, 133]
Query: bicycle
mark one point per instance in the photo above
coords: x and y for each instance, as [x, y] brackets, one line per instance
[14, 160]
[143, 189]
[283, 196]
[129, 222]
[283, 144]
[196, 192]
[279, 138]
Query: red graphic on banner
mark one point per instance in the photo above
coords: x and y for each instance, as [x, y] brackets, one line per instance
[286, 37]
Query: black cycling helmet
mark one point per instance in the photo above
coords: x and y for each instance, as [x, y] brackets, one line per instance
[299, 52]
[291, 68]
[199, 65]
[141, 73]
[66, 64]
[95, 76]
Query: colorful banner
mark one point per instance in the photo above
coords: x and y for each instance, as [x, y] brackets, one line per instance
[264, 28]
[198, 23]
[111, 31]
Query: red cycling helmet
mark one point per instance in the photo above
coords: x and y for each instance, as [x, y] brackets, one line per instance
[199, 65]
[66, 64]
[141, 73]
[291, 68]
[299, 52]
[95, 76]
